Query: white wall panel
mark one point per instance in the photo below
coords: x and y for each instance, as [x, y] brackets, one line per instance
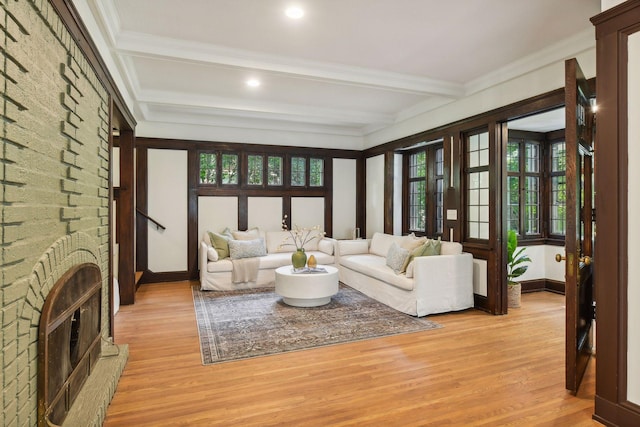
[397, 194]
[217, 213]
[265, 213]
[167, 203]
[633, 290]
[115, 167]
[375, 195]
[554, 270]
[480, 277]
[344, 198]
[307, 211]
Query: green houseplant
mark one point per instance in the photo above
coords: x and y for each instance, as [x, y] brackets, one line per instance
[516, 266]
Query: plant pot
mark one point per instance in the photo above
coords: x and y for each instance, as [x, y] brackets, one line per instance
[299, 259]
[513, 295]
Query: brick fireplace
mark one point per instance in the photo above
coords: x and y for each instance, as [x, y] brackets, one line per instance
[54, 172]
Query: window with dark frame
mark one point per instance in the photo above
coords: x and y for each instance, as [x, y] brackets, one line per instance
[274, 170]
[298, 171]
[557, 189]
[255, 169]
[477, 181]
[230, 168]
[424, 183]
[524, 178]
[208, 168]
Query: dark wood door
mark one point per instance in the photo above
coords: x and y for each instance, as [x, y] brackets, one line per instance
[579, 230]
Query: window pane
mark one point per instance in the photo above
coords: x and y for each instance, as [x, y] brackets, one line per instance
[316, 172]
[208, 170]
[513, 157]
[229, 168]
[513, 203]
[274, 171]
[478, 150]
[417, 205]
[440, 162]
[417, 165]
[532, 157]
[558, 157]
[558, 205]
[439, 206]
[532, 197]
[298, 171]
[255, 167]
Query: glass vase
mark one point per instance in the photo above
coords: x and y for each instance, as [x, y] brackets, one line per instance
[299, 258]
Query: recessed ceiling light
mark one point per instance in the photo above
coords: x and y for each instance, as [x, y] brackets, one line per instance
[253, 82]
[294, 12]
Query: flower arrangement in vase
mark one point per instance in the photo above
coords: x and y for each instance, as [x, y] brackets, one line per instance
[298, 237]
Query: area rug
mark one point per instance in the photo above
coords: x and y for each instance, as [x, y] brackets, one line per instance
[242, 324]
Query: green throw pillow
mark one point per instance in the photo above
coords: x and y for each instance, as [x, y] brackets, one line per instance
[414, 253]
[432, 247]
[221, 244]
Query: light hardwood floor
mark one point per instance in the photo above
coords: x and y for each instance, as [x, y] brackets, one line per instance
[478, 370]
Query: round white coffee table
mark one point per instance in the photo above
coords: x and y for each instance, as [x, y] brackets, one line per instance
[306, 289]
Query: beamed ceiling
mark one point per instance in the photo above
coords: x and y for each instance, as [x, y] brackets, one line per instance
[347, 67]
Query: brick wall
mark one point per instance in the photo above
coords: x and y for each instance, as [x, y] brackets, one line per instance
[54, 168]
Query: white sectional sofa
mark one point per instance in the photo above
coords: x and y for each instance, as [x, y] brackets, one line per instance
[216, 273]
[431, 284]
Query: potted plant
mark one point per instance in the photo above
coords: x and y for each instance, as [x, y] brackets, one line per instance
[516, 267]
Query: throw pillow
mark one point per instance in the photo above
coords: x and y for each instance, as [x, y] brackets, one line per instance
[247, 248]
[396, 257]
[212, 254]
[432, 247]
[412, 242]
[221, 243]
[252, 234]
[416, 252]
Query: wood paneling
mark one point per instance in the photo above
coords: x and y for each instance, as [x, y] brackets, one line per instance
[476, 370]
[126, 219]
[612, 28]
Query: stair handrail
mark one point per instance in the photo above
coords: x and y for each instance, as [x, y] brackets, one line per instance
[156, 223]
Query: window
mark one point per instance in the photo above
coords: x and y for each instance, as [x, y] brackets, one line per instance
[477, 160]
[557, 202]
[208, 168]
[229, 168]
[298, 171]
[523, 186]
[274, 170]
[424, 183]
[316, 172]
[417, 191]
[254, 169]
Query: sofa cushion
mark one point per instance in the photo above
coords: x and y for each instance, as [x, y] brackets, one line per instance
[412, 242]
[247, 248]
[381, 242]
[375, 266]
[450, 248]
[350, 247]
[221, 243]
[279, 241]
[251, 234]
[326, 246]
[396, 257]
[212, 254]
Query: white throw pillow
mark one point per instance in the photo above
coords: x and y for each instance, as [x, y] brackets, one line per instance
[252, 234]
[396, 257]
[381, 242]
[212, 254]
[247, 248]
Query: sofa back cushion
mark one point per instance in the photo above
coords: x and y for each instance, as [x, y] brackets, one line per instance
[450, 248]
[381, 242]
[279, 241]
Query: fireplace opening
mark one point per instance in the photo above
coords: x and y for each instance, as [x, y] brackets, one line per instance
[68, 341]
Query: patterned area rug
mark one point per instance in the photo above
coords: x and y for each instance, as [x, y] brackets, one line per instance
[242, 324]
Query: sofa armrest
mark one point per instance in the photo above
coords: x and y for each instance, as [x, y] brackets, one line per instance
[445, 278]
[202, 259]
[328, 245]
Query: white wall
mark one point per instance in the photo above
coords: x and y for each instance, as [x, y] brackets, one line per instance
[375, 195]
[543, 264]
[397, 194]
[265, 213]
[115, 166]
[633, 291]
[216, 214]
[307, 212]
[344, 198]
[167, 198]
